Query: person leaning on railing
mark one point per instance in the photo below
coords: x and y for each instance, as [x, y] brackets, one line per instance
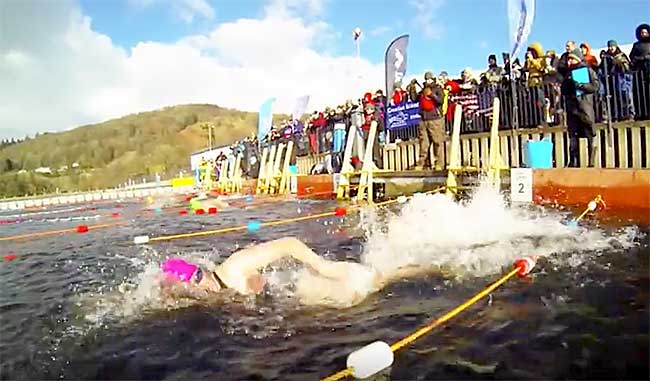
[579, 107]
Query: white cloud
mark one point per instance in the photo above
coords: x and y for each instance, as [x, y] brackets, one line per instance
[380, 30]
[61, 73]
[186, 10]
[425, 17]
[311, 8]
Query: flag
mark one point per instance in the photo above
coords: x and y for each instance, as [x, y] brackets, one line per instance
[396, 60]
[265, 119]
[521, 14]
[301, 107]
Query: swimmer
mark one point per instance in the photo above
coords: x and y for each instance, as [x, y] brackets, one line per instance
[324, 282]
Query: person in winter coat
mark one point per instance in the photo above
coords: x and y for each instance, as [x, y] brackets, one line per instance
[562, 67]
[615, 66]
[494, 74]
[535, 64]
[399, 95]
[640, 54]
[590, 60]
[432, 127]
[579, 99]
[640, 59]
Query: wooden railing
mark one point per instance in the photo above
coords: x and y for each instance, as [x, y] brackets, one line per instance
[630, 149]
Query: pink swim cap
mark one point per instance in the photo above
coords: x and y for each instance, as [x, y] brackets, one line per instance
[179, 269]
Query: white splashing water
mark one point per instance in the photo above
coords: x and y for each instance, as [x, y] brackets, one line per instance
[477, 237]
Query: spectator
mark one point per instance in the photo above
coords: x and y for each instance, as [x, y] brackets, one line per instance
[562, 67]
[535, 64]
[640, 54]
[413, 91]
[640, 59]
[467, 81]
[429, 80]
[551, 78]
[380, 102]
[615, 66]
[579, 107]
[431, 128]
[399, 95]
[590, 60]
[494, 74]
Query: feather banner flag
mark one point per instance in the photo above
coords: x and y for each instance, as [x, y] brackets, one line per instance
[265, 119]
[521, 14]
[396, 61]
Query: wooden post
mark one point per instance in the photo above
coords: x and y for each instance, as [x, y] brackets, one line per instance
[365, 182]
[284, 181]
[454, 156]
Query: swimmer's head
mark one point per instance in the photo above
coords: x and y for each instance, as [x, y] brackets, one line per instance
[191, 274]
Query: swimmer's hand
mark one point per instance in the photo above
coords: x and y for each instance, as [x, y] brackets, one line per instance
[256, 283]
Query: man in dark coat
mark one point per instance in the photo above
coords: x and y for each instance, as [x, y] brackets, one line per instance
[579, 107]
[640, 54]
[640, 58]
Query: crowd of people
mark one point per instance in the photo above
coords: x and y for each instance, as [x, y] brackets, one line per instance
[543, 90]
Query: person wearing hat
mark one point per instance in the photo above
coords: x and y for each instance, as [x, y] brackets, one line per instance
[494, 74]
[431, 130]
[617, 67]
[579, 98]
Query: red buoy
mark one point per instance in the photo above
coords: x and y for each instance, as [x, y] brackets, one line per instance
[199, 211]
[340, 211]
[182, 212]
[82, 229]
[116, 214]
[212, 210]
[525, 265]
[10, 257]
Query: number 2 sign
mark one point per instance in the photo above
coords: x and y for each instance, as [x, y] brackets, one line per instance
[521, 185]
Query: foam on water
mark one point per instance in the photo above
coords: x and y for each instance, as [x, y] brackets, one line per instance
[477, 237]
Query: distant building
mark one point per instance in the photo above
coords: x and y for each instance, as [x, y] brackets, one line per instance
[207, 154]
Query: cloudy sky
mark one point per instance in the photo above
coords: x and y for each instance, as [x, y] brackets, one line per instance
[64, 63]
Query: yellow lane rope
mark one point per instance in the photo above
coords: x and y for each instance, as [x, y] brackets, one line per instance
[60, 231]
[271, 223]
[441, 320]
[591, 207]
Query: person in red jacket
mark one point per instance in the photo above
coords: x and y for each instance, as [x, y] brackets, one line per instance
[589, 59]
[431, 128]
[399, 95]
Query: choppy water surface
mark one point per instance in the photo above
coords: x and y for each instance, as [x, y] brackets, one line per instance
[89, 307]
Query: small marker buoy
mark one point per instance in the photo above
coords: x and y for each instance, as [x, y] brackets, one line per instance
[370, 360]
[116, 214]
[158, 210]
[82, 229]
[182, 212]
[141, 239]
[592, 205]
[188, 198]
[249, 198]
[525, 265]
[254, 225]
[212, 210]
[10, 257]
[340, 211]
[199, 211]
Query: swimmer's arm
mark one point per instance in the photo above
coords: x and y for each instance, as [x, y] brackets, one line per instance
[264, 254]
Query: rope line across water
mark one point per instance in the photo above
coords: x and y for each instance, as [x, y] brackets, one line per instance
[272, 223]
[441, 320]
